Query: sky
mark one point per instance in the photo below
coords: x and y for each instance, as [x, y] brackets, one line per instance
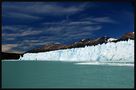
[28, 25]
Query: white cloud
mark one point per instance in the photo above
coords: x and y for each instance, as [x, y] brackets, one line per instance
[56, 9]
[9, 28]
[8, 47]
[17, 51]
[82, 23]
[19, 31]
[59, 33]
[31, 41]
[30, 32]
[104, 20]
[100, 20]
[21, 16]
[10, 39]
[30, 10]
[69, 22]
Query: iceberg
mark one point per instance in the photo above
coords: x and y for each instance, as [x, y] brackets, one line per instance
[122, 51]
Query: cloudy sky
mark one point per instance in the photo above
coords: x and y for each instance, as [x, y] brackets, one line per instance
[26, 25]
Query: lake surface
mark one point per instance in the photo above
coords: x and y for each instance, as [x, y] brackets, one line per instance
[55, 74]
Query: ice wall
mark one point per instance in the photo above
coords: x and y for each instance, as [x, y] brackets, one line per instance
[122, 51]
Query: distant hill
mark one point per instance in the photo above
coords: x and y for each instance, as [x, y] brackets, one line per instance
[82, 43]
[5, 55]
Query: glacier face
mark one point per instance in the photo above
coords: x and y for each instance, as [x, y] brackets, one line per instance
[122, 51]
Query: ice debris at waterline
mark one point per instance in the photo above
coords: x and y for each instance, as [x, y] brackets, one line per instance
[122, 51]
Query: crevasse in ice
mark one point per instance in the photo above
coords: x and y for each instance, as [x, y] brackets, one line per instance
[122, 51]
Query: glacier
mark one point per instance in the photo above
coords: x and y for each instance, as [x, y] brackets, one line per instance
[122, 51]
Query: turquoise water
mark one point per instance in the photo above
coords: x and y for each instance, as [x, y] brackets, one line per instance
[45, 74]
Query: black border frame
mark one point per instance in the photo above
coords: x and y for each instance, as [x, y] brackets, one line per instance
[132, 1]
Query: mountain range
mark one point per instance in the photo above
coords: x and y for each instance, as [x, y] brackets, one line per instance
[81, 43]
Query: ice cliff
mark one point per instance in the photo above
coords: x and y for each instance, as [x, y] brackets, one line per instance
[122, 51]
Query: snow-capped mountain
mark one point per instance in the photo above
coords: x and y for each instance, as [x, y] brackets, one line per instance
[111, 39]
[82, 43]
